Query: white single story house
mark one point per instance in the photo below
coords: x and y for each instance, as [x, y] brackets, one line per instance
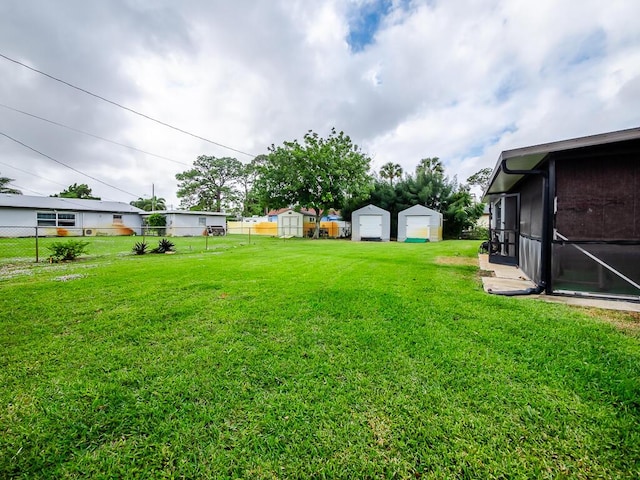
[419, 223]
[186, 223]
[28, 216]
[371, 223]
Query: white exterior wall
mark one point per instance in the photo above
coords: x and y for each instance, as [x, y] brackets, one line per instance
[188, 224]
[21, 222]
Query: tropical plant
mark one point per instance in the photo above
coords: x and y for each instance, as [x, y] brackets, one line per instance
[149, 204]
[140, 248]
[164, 246]
[431, 165]
[390, 171]
[4, 181]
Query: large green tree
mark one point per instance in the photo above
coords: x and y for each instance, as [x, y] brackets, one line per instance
[77, 191]
[211, 184]
[149, 204]
[4, 188]
[250, 203]
[317, 174]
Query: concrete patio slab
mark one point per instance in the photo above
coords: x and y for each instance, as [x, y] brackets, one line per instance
[507, 278]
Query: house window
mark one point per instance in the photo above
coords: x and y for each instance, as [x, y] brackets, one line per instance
[55, 219]
[202, 221]
[117, 219]
[47, 219]
[66, 219]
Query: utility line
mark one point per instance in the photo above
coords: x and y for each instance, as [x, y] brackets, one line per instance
[28, 189]
[91, 134]
[69, 167]
[31, 173]
[63, 199]
[125, 108]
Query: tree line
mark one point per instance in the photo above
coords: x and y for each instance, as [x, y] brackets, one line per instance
[323, 174]
[317, 174]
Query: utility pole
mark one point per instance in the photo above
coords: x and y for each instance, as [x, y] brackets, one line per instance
[153, 197]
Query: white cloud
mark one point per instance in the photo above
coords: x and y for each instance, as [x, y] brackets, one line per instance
[461, 80]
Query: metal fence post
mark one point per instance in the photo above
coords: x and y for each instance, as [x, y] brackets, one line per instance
[37, 258]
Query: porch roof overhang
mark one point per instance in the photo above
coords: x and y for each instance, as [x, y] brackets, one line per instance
[529, 158]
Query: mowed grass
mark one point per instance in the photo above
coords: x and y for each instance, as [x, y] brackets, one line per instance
[306, 359]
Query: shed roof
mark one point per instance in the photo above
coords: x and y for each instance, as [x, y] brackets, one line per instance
[419, 210]
[59, 203]
[283, 210]
[528, 158]
[371, 208]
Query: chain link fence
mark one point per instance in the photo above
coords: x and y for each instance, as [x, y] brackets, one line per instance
[20, 244]
[32, 244]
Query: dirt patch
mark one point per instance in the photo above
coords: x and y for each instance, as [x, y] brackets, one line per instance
[66, 278]
[466, 261]
[487, 273]
[628, 322]
[11, 271]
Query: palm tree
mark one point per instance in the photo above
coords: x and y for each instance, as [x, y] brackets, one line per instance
[149, 204]
[390, 171]
[431, 165]
[4, 181]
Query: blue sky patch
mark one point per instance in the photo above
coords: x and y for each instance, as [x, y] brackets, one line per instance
[365, 22]
[589, 47]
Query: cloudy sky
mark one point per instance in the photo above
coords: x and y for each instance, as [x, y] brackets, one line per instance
[458, 79]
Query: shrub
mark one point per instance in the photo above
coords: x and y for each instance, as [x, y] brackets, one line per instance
[477, 233]
[164, 246]
[156, 223]
[140, 248]
[69, 250]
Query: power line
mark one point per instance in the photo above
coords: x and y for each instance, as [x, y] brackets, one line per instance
[69, 167]
[25, 188]
[125, 108]
[63, 199]
[91, 134]
[31, 173]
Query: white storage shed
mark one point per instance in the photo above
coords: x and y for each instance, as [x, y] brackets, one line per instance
[370, 223]
[419, 223]
[292, 223]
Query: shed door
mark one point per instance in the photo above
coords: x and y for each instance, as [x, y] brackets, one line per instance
[418, 226]
[370, 226]
[290, 225]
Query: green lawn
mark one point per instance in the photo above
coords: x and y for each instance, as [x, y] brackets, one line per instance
[305, 359]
